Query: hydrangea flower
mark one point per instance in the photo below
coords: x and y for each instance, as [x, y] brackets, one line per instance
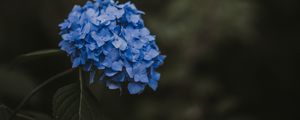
[104, 35]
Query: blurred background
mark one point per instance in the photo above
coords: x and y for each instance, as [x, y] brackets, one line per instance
[227, 59]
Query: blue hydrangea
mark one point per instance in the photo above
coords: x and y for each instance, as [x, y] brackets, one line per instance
[104, 35]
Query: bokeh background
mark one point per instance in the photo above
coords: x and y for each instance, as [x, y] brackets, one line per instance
[227, 59]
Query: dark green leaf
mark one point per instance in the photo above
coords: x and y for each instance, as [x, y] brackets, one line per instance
[4, 112]
[34, 115]
[66, 104]
[42, 53]
[37, 54]
[37, 89]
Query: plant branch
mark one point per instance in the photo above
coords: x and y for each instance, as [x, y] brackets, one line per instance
[81, 93]
[24, 116]
[33, 55]
[36, 90]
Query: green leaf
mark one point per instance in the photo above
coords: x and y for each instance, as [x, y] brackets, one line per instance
[66, 104]
[37, 89]
[42, 53]
[4, 112]
[36, 55]
[34, 115]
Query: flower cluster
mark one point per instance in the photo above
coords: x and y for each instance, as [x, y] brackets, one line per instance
[111, 37]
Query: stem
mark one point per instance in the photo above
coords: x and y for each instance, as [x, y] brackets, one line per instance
[33, 55]
[20, 115]
[37, 89]
[25, 116]
[81, 93]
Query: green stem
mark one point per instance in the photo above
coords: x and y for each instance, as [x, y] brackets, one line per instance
[81, 93]
[36, 90]
[33, 55]
[20, 115]
[25, 117]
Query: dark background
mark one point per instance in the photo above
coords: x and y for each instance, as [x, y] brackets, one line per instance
[227, 59]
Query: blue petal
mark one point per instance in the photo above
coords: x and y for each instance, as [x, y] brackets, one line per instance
[92, 56]
[66, 37]
[150, 37]
[128, 54]
[92, 16]
[117, 43]
[99, 40]
[138, 44]
[119, 77]
[64, 25]
[91, 46]
[107, 62]
[135, 88]
[111, 10]
[111, 52]
[155, 76]
[151, 54]
[120, 43]
[129, 69]
[132, 54]
[76, 8]
[92, 76]
[114, 27]
[88, 4]
[103, 18]
[135, 18]
[148, 63]
[117, 66]
[74, 17]
[123, 46]
[77, 62]
[87, 28]
[66, 46]
[106, 34]
[144, 31]
[130, 33]
[160, 59]
[112, 85]
[153, 85]
[110, 73]
[141, 77]
[105, 2]
[99, 65]
[139, 68]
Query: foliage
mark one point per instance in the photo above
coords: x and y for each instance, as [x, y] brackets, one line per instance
[227, 59]
[4, 112]
[67, 104]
